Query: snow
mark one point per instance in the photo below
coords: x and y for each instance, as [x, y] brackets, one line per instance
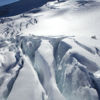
[35, 68]
[48, 52]
[45, 69]
[27, 85]
[53, 54]
[97, 74]
[75, 82]
[85, 56]
[57, 19]
[66, 21]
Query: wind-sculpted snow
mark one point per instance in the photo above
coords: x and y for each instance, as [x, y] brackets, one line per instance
[49, 68]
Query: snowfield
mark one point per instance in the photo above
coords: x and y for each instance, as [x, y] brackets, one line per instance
[52, 54]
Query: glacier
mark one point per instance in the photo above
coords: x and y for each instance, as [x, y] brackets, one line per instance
[31, 68]
[51, 52]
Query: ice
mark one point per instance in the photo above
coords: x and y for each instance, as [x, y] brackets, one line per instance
[27, 85]
[44, 64]
[97, 74]
[51, 52]
[75, 82]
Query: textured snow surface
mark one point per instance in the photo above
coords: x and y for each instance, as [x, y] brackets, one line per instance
[53, 54]
[49, 68]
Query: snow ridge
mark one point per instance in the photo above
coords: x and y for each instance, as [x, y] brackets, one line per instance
[37, 66]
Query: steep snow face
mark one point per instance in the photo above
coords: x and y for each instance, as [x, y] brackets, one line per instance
[49, 68]
[44, 64]
[75, 82]
[27, 85]
[10, 65]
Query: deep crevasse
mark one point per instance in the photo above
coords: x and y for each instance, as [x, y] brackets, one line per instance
[41, 71]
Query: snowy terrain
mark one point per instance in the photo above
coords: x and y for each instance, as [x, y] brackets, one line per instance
[51, 54]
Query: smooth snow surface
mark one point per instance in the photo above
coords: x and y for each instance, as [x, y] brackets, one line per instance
[51, 52]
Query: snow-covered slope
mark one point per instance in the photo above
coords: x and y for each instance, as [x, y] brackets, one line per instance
[53, 54]
[54, 19]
